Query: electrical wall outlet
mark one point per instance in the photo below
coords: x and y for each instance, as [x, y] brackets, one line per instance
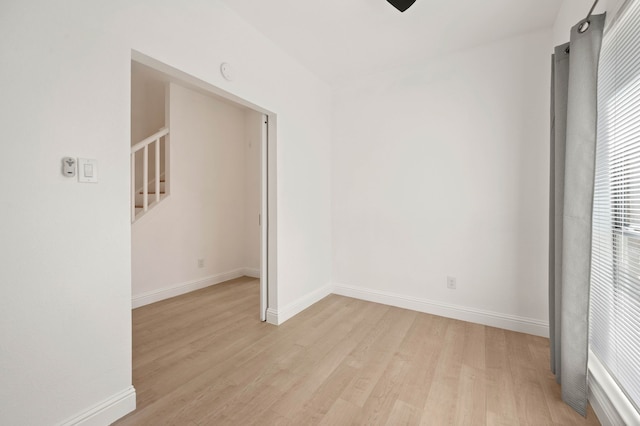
[200, 263]
[451, 283]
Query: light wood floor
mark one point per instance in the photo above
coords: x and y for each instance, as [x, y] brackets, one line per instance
[205, 359]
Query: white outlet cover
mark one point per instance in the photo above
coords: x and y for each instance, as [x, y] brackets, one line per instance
[226, 71]
[451, 283]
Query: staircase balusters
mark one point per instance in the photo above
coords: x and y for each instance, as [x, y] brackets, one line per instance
[144, 146]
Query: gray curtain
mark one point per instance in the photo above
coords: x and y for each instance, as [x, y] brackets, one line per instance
[573, 149]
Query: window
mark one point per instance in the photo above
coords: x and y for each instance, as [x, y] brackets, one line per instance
[615, 274]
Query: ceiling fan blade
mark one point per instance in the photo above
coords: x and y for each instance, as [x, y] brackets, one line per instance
[401, 5]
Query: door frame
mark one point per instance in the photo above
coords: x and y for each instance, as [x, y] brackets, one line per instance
[268, 175]
[264, 216]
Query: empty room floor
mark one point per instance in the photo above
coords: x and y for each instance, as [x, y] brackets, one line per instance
[204, 358]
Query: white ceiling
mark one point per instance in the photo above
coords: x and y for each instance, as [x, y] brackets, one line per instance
[343, 39]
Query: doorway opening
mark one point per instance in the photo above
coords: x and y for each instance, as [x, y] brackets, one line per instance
[204, 215]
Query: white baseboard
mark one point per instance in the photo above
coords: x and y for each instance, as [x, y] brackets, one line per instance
[183, 288]
[493, 319]
[107, 411]
[252, 272]
[610, 404]
[278, 316]
[272, 316]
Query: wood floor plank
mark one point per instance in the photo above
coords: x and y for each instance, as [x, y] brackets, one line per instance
[501, 401]
[441, 404]
[341, 413]
[404, 414]
[383, 396]
[423, 365]
[204, 358]
[311, 379]
[472, 387]
[322, 388]
[375, 353]
[190, 302]
[472, 397]
[531, 403]
[408, 358]
[186, 363]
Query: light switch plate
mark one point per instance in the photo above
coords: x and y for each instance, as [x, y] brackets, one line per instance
[87, 170]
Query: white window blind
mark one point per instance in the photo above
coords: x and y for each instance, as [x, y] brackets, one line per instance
[615, 273]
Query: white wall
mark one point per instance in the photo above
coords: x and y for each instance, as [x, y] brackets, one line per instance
[203, 218]
[147, 103]
[442, 170]
[65, 293]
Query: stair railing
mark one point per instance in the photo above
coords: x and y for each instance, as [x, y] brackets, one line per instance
[144, 145]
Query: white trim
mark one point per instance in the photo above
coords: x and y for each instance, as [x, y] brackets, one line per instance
[107, 411]
[601, 404]
[272, 316]
[278, 316]
[182, 288]
[251, 272]
[264, 216]
[149, 140]
[493, 319]
[610, 404]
